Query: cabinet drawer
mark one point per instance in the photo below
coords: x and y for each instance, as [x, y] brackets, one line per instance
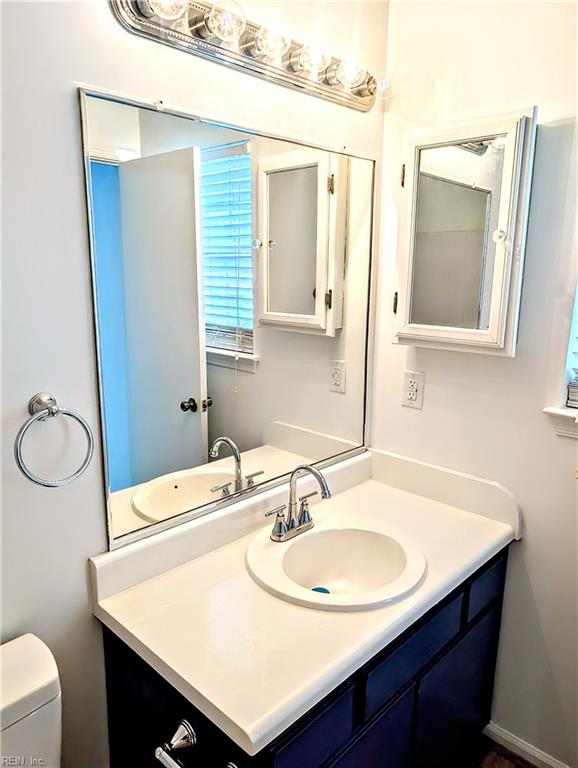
[486, 587]
[397, 669]
[384, 743]
[321, 738]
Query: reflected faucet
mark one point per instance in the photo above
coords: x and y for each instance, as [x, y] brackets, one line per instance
[214, 453]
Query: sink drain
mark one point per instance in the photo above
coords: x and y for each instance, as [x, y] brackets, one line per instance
[323, 590]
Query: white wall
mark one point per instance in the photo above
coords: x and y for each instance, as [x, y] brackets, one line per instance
[483, 415]
[47, 535]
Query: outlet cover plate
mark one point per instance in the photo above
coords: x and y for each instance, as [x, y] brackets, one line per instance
[337, 376]
[413, 388]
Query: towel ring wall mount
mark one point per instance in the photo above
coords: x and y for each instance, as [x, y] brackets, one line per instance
[40, 407]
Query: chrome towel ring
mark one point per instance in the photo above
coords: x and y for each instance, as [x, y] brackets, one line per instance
[40, 407]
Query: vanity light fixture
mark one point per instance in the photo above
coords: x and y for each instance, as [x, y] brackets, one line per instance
[224, 21]
[312, 60]
[349, 73]
[168, 10]
[220, 32]
[269, 43]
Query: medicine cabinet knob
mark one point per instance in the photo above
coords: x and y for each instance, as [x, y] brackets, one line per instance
[189, 405]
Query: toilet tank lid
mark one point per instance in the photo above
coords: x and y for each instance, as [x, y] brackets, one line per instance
[28, 678]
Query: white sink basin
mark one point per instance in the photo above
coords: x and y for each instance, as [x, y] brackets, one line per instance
[178, 492]
[337, 569]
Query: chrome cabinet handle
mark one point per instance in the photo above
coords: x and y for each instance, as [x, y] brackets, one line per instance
[250, 478]
[165, 759]
[183, 737]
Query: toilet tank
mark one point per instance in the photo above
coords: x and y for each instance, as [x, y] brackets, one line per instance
[30, 704]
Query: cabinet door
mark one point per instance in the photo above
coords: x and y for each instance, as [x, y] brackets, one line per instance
[301, 222]
[321, 738]
[455, 697]
[385, 742]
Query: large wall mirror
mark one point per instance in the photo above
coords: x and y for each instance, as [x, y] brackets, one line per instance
[231, 281]
[462, 260]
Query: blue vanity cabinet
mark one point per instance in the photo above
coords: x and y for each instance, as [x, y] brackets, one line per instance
[455, 697]
[386, 676]
[421, 702]
[385, 742]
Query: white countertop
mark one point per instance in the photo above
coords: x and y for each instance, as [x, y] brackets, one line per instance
[227, 645]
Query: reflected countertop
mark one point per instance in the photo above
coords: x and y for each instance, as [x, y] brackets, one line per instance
[271, 460]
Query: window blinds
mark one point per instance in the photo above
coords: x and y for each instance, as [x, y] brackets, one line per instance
[227, 223]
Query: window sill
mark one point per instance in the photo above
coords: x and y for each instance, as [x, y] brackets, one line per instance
[565, 421]
[239, 361]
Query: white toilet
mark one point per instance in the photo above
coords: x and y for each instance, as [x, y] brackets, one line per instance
[30, 704]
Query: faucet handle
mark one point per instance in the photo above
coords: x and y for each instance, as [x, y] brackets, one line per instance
[280, 527]
[225, 487]
[250, 478]
[277, 511]
[304, 516]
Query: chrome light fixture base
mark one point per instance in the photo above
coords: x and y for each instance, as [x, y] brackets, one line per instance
[183, 33]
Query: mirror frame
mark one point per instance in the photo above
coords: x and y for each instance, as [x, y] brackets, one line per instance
[499, 338]
[218, 504]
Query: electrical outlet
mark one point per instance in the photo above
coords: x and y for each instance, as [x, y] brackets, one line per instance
[413, 387]
[337, 376]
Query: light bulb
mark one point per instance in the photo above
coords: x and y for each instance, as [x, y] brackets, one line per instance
[226, 20]
[271, 43]
[384, 86]
[169, 10]
[311, 59]
[350, 74]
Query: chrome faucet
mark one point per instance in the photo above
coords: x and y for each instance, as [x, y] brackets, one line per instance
[214, 453]
[298, 516]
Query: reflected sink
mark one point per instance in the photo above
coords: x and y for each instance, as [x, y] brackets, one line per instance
[337, 569]
[178, 492]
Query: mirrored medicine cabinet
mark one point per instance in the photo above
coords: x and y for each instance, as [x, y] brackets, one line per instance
[461, 253]
[231, 278]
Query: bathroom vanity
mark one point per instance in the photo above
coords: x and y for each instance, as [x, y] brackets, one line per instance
[422, 701]
[266, 682]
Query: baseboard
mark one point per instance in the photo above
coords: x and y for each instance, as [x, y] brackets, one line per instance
[522, 748]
